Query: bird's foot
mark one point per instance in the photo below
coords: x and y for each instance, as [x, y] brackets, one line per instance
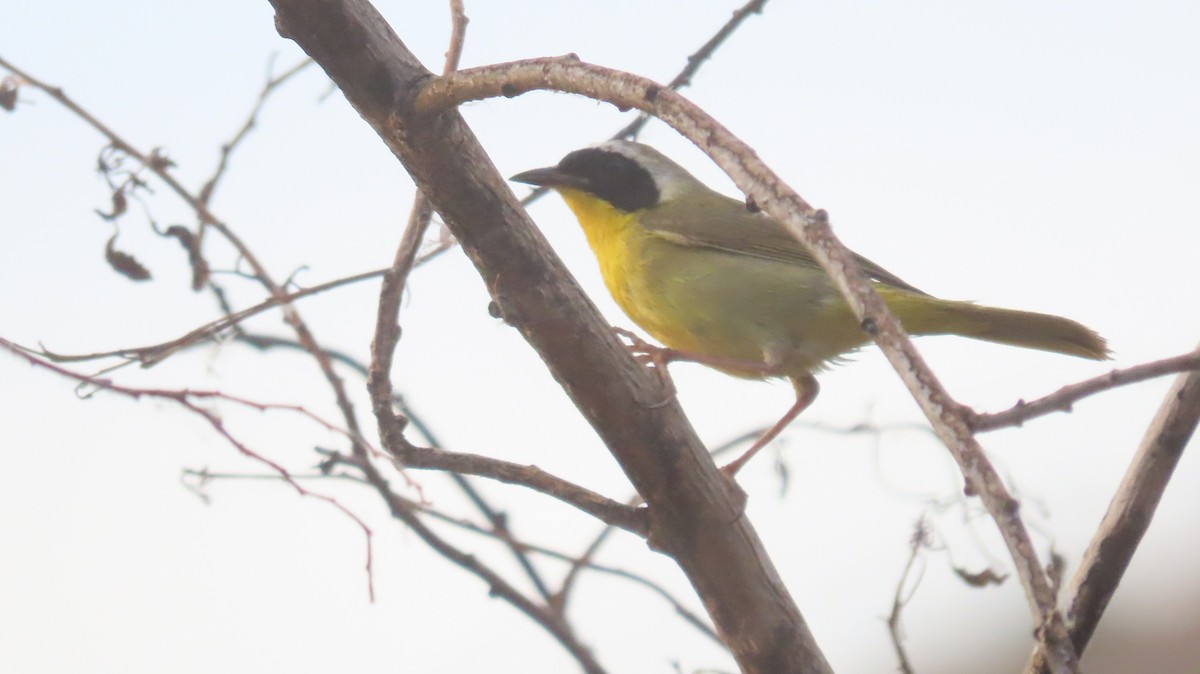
[656, 357]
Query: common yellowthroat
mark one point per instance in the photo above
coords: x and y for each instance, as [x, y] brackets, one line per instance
[721, 285]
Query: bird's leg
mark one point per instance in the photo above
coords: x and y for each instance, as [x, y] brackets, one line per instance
[806, 391]
[659, 356]
[806, 386]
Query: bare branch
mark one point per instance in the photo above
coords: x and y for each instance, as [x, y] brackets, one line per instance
[919, 540]
[497, 586]
[273, 83]
[689, 616]
[1130, 513]
[696, 60]
[387, 329]
[406, 511]
[604, 509]
[500, 521]
[156, 353]
[458, 32]
[1063, 399]
[160, 166]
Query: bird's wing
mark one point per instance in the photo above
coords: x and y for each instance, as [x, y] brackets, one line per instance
[718, 222]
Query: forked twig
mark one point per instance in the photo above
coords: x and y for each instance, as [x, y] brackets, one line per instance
[1129, 515]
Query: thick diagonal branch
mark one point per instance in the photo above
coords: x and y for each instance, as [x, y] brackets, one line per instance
[696, 515]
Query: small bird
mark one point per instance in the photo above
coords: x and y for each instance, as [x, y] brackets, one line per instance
[720, 284]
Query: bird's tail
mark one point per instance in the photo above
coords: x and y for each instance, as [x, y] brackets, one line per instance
[924, 315]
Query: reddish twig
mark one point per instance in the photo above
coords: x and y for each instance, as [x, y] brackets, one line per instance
[186, 399]
[160, 166]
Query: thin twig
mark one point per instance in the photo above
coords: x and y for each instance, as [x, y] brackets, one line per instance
[153, 354]
[272, 83]
[551, 621]
[387, 329]
[158, 164]
[185, 399]
[695, 61]
[602, 508]
[264, 342]
[689, 616]
[631, 130]
[585, 558]
[919, 540]
[1063, 399]
[590, 550]
[498, 520]
[458, 33]
[391, 431]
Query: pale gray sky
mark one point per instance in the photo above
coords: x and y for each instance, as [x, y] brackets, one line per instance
[1034, 155]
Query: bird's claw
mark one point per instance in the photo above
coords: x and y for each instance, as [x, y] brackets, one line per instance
[653, 356]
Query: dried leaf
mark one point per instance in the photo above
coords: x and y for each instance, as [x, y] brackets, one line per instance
[159, 161]
[982, 578]
[124, 263]
[8, 93]
[1055, 569]
[191, 244]
[119, 205]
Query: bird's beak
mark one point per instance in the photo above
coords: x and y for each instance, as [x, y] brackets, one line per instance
[550, 177]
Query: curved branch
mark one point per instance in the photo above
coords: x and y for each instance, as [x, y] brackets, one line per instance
[811, 227]
[611, 512]
[682, 79]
